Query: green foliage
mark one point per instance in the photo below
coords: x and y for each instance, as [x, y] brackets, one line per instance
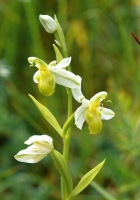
[86, 180]
[47, 115]
[106, 56]
[63, 169]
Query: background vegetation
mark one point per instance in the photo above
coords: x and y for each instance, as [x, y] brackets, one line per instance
[107, 58]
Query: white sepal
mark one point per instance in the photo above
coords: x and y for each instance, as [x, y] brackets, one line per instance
[64, 77]
[37, 138]
[77, 93]
[80, 114]
[22, 156]
[106, 114]
[64, 63]
[36, 76]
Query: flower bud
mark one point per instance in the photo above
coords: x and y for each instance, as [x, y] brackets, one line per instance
[48, 23]
[40, 147]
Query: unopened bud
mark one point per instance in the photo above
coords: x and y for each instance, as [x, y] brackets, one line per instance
[48, 23]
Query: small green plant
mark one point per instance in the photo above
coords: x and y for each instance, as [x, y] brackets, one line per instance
[91, 111]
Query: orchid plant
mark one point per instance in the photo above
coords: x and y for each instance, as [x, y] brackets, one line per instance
[91, 111]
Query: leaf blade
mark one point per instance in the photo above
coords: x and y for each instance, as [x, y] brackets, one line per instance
[86, 179]
[47, 115]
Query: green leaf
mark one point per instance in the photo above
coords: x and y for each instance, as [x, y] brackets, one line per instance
[60, 35]
[85, 181]
[58, 54]
[63, 169]
[47, 115]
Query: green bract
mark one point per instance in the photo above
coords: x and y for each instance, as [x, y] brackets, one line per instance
[58, 54]
[85, 181]
[47, 115]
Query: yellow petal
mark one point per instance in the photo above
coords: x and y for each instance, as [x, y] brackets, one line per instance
[46, 83]
[93, 120]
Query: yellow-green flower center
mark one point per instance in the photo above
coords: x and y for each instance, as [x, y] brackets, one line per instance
[92, 116]
[46, 82]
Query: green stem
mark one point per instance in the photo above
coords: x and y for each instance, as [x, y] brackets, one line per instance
[66, 145]
[67, 124]
[66, 139]
[67, 134]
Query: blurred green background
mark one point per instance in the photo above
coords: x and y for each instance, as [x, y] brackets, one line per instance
[107, 58]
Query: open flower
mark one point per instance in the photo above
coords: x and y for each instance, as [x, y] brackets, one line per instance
[41, 146]
[48, 75]
[91, 111]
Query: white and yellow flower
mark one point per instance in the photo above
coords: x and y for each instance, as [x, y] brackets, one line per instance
[91, 111]
[48, 75]
[41, 146]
